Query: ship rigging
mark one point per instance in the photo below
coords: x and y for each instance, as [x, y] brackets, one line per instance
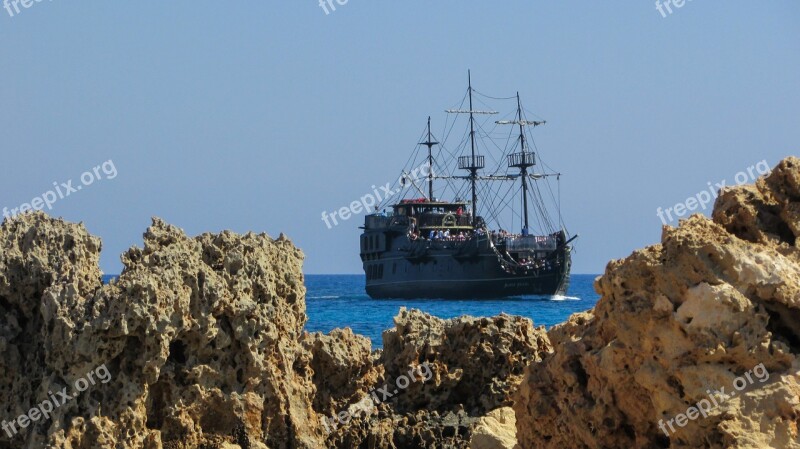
[436, 248]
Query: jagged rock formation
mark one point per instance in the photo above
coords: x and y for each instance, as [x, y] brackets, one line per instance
[199, 335]
[715, 306]
[473, 366]
[35, 255]
[344, 369]
[200, 344]
[477, 362]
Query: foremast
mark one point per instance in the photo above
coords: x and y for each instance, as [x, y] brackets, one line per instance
[430, 144]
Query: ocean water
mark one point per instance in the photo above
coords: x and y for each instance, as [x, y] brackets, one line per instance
[340, 301]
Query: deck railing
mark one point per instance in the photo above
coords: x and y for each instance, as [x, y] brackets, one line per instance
[531, 243]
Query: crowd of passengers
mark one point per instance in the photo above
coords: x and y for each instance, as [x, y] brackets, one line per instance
[537, 263]
[446, 235]
[440, 235]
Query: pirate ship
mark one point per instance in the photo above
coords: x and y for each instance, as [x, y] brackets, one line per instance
[426, 247]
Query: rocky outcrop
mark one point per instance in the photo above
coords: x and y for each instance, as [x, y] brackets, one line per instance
[38, 254]
[472, 366]
[200, 344]
[694, 342]
[477, 363]
[344, 369]
[200, 337]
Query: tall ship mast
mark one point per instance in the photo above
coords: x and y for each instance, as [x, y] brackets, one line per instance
[485, 247]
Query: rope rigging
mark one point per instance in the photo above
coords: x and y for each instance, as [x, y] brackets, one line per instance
[496, 200]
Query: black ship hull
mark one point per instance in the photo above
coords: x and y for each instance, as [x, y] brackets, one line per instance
[478, 286]
[458, 270]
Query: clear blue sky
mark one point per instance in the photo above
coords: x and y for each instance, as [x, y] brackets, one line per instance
[260, 115]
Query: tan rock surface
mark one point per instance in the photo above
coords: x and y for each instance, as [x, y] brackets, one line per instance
[496, 430]
[477, 362]
[200, 335]
[203, 343]
[676, 321]
[474, 365]
[344, 369]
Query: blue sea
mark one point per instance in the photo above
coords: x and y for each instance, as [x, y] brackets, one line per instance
[340, 301]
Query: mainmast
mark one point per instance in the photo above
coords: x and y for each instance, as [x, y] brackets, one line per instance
[430, 143]
[473, 175]
[474, 162]
[523, 159]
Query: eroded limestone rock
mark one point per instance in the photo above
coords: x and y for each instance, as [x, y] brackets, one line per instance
[694, 314]
[496, 430]
[471, 368]
[477, 363]
[203, 345]
[200, 335]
